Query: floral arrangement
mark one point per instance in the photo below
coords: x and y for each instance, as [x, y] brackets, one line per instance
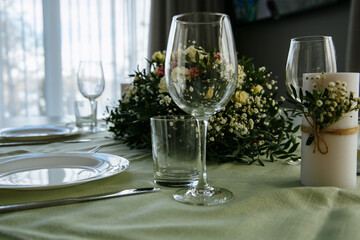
[251, 128]
[323, 106]
[201, 78]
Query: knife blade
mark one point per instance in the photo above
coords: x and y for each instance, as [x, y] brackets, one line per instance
[65, 201]
[8, 144]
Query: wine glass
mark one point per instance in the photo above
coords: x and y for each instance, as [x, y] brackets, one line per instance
[201, 76]
[310, 54]
[91, 84]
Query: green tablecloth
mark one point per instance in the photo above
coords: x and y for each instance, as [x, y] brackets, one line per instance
[269, 203]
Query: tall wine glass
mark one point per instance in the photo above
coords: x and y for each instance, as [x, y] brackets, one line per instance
[91, 84]
[201, 75]
[309, 54]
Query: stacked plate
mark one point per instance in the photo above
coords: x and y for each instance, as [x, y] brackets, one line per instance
[53, 170]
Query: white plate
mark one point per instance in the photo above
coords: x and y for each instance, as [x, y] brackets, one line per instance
[34, 133]
[54, 170]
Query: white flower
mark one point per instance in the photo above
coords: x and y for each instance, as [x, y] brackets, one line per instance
[162, 85]
[262, 69]
[212, 139]
[331, 84]
[167, 100]
[178, 76]
[319, 103]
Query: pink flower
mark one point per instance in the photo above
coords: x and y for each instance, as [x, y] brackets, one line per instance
[160, 71]
[217, 55]
[194, 72]
[174, 65]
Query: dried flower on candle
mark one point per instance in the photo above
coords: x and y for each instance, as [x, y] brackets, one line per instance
[324, 106]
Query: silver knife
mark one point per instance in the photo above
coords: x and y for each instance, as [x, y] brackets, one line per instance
[64, 201]
[8, 144]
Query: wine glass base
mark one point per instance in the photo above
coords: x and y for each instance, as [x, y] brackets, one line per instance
[294, 163]
[211, 196]
[92, 130]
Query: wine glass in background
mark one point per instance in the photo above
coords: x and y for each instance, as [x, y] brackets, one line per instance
[201, 76]
[91, 85]
[310, 54]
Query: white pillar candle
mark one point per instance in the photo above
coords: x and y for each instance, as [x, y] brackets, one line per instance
[338, 166]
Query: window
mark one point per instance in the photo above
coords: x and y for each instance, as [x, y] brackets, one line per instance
[113, 31]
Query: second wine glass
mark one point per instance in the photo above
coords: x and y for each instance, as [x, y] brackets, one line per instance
[91, 85]
[201, 76]
[310, 54]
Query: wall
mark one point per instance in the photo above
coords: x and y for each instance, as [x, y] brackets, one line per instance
[268, 41]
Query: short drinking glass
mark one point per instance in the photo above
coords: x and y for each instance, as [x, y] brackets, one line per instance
[175, 150]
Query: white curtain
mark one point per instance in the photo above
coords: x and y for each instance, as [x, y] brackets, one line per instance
[113, 31]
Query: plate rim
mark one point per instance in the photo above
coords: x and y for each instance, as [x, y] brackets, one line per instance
[123, 164]
[67, 131]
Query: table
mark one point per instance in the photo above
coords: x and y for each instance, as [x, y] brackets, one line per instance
[269, 203]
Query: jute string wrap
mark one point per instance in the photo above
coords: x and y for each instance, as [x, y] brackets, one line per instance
[315, 130]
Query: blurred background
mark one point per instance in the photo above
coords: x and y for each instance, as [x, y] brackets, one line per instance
[42, 42]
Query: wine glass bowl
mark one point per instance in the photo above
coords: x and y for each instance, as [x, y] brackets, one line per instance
[309, 54]
[201, 77]
[91, 84]
[206, 40]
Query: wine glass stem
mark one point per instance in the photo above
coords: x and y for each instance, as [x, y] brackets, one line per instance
[202, 126]
[93, 113]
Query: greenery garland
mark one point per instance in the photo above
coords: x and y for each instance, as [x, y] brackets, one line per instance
[253, 126]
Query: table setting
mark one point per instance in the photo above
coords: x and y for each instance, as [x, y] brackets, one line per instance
[199, 147]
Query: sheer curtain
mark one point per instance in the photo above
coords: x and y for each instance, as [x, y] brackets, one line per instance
[112, 31]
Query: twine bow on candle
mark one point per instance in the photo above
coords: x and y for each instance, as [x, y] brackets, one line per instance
[315, 130]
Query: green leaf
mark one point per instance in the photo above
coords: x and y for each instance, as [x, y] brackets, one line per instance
[293, 91]
[310, 139]
[294, 148]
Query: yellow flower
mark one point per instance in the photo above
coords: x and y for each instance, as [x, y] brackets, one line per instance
[257, 89]
[191, 52]
[209, 93]
[241, 97]
[158, 56]
[162, 85]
